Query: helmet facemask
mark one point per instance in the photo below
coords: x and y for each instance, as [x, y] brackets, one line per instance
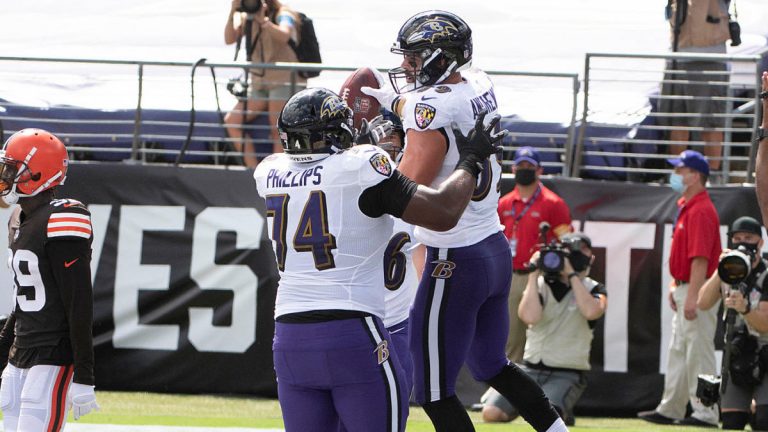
[31, 161]
[317, 141]
[436, 66]
[13, 172]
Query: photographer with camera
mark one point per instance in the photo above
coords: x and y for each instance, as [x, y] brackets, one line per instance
[522, 211]
[268, 27]
[560, 305]
[741, 282]
[697, 27]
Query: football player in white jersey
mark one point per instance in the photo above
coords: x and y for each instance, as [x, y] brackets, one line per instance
[460, 312]
[328, 205]
[400, 275]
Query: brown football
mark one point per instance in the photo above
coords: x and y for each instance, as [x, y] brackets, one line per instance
[363, 106]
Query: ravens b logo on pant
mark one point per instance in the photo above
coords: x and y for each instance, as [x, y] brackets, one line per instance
[443, 269]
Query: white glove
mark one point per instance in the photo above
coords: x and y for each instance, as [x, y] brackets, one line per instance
[83, 399]
[385, 94]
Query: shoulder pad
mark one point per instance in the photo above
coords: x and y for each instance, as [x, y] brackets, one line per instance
[373, 164]
[69, 219]
[430, 109]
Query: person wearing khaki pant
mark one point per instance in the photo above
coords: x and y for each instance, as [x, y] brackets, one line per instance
[691, 352]
[694, 254]
[522, 212]
[517, 328]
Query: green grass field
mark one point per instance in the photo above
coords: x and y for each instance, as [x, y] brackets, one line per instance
[184, 410]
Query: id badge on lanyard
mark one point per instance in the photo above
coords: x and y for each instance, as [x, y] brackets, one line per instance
[513, 239]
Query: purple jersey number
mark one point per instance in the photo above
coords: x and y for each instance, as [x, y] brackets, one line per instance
[311, 233]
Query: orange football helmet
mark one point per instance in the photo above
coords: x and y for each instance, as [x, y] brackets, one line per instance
[31, 161]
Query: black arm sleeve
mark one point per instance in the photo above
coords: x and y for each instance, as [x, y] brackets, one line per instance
[71, 267]
[390, 196]
[7, 336]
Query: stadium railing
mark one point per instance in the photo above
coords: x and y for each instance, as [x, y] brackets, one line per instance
[169, 112]
[619, 136]
[172, 112]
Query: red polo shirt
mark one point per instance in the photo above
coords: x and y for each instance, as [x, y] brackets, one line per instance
[547, 206]
[696, 234]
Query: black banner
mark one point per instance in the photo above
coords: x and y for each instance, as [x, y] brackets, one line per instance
[185, 280]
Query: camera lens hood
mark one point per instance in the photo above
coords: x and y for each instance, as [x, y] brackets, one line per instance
[734, 267]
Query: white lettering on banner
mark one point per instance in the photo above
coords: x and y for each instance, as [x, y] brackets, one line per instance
[619, 238]
[666, 313]
[247, 223]
[99, 223]
[132, 276]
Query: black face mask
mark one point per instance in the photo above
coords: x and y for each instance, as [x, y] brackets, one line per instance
[752, 247]
[525, 177]
[579, 261]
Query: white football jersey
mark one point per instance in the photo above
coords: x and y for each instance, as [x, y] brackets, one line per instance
[399, 274]
[329, 253]
[435, 108]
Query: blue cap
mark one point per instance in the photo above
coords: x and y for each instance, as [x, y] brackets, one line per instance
[693, 160]
[527, 154]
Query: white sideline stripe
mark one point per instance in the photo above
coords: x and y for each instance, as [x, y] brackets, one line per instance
[76, 427]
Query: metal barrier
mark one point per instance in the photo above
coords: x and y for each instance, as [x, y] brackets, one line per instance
[111, 129]
[623, 89]
[616, 138]
[538, 115]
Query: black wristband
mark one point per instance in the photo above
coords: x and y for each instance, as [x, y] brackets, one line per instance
[471, 164]
[572, 274]
[764, 94]
[762, 133]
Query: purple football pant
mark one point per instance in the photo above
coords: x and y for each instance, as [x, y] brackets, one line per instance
[339, 372]
[460, 315]
[400, 334]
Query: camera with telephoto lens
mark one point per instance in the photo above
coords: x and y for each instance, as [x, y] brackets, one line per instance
[250, 6]
[552, 258]
[736, 265]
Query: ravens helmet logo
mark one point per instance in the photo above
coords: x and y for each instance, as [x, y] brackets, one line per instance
[434, 29]
[331, 107]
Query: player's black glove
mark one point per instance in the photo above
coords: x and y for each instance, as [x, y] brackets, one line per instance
[478, 144]
[372, 132]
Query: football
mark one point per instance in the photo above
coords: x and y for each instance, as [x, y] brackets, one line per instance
[363, 106]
